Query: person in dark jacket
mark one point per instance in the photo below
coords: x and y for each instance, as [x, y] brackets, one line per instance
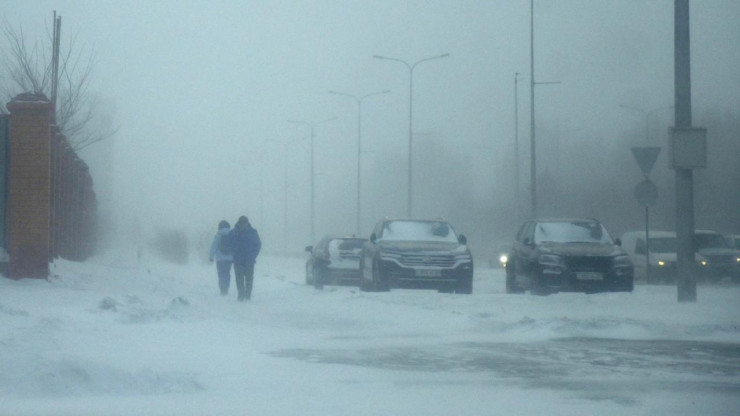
[223, 260]
[245, 246]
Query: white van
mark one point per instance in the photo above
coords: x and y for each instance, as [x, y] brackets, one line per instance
[733, 240]
[662, 255]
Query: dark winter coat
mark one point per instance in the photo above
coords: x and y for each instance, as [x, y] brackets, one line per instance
[245, 244]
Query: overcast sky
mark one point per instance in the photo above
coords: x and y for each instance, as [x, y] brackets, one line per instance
[202, 90]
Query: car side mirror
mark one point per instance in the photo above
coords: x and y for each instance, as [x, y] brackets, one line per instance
[462, 239]
[527, 241]
[618, 242]
[373, 238]
[309, 248]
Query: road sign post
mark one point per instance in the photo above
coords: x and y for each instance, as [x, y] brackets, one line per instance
[646, 193]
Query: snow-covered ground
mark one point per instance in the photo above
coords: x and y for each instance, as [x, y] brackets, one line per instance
[110, 337]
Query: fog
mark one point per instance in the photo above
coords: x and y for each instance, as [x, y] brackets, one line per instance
[201, 93]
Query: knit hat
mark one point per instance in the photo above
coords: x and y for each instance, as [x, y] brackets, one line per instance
[243, 220]
[223, 224]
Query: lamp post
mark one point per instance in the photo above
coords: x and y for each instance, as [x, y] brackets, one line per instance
[411, 67]
[533, 83]
[359, 101]
[285, 145]
[647, 115]
[311, 127]
[516, 145]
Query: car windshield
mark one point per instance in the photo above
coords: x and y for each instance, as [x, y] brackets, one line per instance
[418, 231]
[709, 241]
[663, 245]
[571, 232]
[348, 244]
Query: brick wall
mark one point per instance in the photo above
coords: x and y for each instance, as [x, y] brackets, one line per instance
[51, 209]
[28, 214]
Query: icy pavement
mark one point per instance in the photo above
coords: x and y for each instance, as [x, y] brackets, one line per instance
[108, 337]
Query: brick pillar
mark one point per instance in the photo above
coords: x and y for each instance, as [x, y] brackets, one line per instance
[29, 186]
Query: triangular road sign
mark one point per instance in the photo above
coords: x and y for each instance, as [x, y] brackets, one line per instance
[646, 157]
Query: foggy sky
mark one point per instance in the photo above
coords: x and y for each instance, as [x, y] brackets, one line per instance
[201, 90]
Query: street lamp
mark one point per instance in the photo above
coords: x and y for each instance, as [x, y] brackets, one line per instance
[411, 106]
[359, 101]
[311, 127]
[647, 115]
[285, 145]
[533, 83]
[516, 145]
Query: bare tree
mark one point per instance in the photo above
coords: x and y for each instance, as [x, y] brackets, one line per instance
[27, 67]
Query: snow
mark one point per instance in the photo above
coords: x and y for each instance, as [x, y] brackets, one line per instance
[412, 230]
[112, 337]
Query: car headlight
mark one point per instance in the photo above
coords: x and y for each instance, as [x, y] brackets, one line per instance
[503, 259]
[622, 261]
[390, 255]
[550, 260]
[661, 263]
[463, 257]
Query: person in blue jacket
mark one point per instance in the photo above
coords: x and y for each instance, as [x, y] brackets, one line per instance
[245, 246]
[220, 252]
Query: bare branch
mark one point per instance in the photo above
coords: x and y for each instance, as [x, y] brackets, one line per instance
[27, 68]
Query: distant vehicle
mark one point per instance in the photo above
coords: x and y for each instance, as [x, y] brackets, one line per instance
[334, 260]
[500, 256]
[411, 253]
[662, 255]
[733, 240]
[720, 259]
[567, 255]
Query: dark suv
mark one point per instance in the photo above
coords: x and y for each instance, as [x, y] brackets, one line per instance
[718, 258]
[424, 254]
[569, 255]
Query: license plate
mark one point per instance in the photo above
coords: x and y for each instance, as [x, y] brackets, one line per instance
[589, 276]
[428, 273]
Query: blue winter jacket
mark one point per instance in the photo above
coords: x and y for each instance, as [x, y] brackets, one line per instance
[245, 245]
[216, 253]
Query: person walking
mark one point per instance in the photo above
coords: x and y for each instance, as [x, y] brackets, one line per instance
[245, 246]
[221, 252]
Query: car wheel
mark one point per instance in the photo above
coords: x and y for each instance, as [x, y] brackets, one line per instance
[716, 279]
[465, 286]
[319, 276]
[511, 286]
[364, 284]
[537, 287]
[380, 281]
[448, 288]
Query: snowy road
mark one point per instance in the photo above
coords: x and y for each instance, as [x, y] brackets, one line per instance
[107, 337]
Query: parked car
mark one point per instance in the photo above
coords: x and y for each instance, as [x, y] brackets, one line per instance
[567, 255]
[413, 253]
[334, 260]
[661, 251]
[719, 259]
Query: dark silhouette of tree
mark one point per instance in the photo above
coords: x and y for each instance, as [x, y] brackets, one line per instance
[27, 67]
